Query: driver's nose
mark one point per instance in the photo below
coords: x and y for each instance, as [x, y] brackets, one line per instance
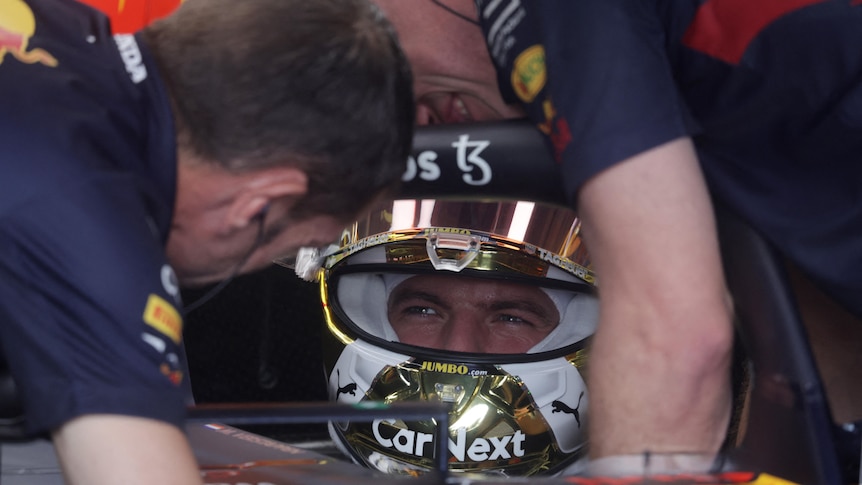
[465, 333]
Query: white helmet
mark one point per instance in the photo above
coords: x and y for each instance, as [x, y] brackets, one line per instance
[515, 411]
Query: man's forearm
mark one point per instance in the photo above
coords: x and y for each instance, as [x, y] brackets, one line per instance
[110, 449]
[657, 398]
[659, 367]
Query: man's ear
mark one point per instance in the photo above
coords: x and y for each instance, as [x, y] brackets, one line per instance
[273, 189]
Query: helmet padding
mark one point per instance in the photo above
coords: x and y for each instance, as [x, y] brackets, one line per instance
[364, 297]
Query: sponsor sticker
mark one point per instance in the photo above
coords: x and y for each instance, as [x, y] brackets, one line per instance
[163, 317]
[173, 375]
[461, 448]
[459, 369]
[131, 55]
[17, 26]
[528, 73]
[169, 281]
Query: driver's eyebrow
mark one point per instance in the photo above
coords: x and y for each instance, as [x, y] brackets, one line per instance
[541, 311]
[399, 295]
[530, 306]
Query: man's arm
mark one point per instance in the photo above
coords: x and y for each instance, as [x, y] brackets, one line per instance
[111, 449]
[659, 367]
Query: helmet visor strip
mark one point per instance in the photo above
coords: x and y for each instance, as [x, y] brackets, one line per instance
[455, 249]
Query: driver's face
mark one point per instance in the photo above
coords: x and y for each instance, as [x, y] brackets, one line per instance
[463, 314]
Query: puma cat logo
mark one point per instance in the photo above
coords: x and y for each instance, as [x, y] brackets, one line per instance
[348, 389]
[561, 407]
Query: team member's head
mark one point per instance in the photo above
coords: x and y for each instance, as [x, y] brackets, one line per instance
[306, 124]
[454, 78]
[484, 306]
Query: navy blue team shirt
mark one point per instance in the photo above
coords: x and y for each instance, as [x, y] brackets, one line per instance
[89, 319]
[769, 90]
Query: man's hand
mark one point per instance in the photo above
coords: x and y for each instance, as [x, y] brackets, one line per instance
[110, 449]
[659, 366]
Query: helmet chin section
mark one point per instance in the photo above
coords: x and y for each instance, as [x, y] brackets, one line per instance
[498, 423]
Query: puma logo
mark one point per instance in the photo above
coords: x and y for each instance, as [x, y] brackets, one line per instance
[561, 407]
[348, 389]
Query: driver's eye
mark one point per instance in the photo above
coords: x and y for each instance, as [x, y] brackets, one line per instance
[420, 310]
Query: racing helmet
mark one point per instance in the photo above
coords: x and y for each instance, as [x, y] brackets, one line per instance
[514, 411]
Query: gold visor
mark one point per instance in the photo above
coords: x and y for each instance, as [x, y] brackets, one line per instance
[516, 236]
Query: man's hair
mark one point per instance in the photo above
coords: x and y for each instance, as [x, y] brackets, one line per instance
[321, 85]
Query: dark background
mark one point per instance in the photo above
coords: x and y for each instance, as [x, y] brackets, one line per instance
[258, 340]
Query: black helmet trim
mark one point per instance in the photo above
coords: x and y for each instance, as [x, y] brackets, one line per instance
[551, 281]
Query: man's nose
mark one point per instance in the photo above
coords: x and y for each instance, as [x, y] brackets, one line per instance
[426, 115]
[465, 334]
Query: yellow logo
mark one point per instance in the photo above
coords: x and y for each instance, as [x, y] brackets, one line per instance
[17, 25]
[767, 479]
[163, 317]
[528, 73]
[445, 368]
